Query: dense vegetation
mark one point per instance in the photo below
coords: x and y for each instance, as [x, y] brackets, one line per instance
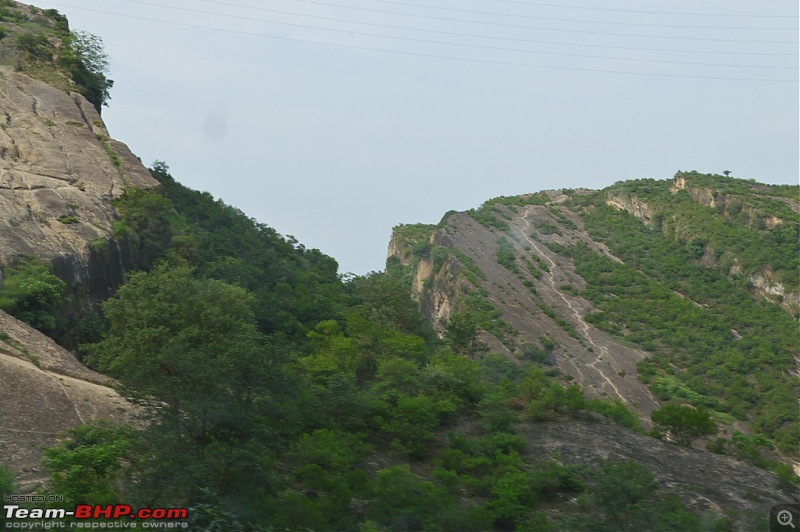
[717, 346]
[749, 228]
[492, 214]
[32, 293]
[276, 395]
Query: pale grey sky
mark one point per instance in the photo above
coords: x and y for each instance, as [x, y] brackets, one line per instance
[334, 120]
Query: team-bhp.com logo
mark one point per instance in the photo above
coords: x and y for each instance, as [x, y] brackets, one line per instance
[86, 516]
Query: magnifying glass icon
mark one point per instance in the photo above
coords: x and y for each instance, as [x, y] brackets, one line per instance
[785, 518]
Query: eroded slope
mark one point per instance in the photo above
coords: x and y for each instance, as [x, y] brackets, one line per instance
[645, 292]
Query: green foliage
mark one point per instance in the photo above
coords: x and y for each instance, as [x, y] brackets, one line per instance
[505, 254]
[147, 224]
[32, 294]
[662, 300]
[488, 217]
[472, 273]
[413, 238]
[546, 398]
[684, 423]
[6, 481]
[87, 63]
[620, 488]
[462, 332]
[546, 228]
[7, 486]
[89, 462]
[332, 450]
[67, 219]
[402, 500]
[277, 396]
[188, 350]
[617, 412]
[412, 423]
[491, 213]
[735, 230]
[294, 287]
[34, 47]
[155, 341]
[112, 156]
[77, 63]
[478, 311]
[542, 355]
[756, 449]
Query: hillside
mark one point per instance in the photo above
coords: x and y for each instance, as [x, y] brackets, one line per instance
[504, 373]
[649, 291]
[59, 172]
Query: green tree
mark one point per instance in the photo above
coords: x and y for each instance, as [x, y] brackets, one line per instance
[89, 462]
[402, 500]
[32, 294]
[148, 222]
[188, 350]
[86, 59]
[684, 423]
[462, 332]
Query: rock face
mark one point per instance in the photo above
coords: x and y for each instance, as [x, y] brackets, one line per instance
[602, 366]
[509, 266]
[706, 483]
[633, 205]
[44, 390]
[59, 170]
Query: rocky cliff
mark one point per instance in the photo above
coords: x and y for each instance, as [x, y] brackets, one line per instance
[59, 171]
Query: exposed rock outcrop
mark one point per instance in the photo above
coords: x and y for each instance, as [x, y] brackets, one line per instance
[59, 171]
[707, 483]
[631, 204]
[602, 366]
[44, 390]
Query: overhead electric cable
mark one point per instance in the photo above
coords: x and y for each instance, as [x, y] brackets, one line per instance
[432, 17]
[538, 17]
[491, 37]
[420, 54]
[463, 45]
[619, 10]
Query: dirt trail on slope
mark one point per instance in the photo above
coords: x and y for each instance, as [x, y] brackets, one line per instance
[609, 368]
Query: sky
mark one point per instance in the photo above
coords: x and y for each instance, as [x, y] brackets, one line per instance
[335, 120]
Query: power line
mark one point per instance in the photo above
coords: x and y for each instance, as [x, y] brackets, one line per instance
[432, 17]
[463, 45]
[519, 2]
[420, 54]
[480, 36]
[516, 15]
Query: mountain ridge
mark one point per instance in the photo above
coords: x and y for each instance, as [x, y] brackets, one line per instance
[527, 256]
